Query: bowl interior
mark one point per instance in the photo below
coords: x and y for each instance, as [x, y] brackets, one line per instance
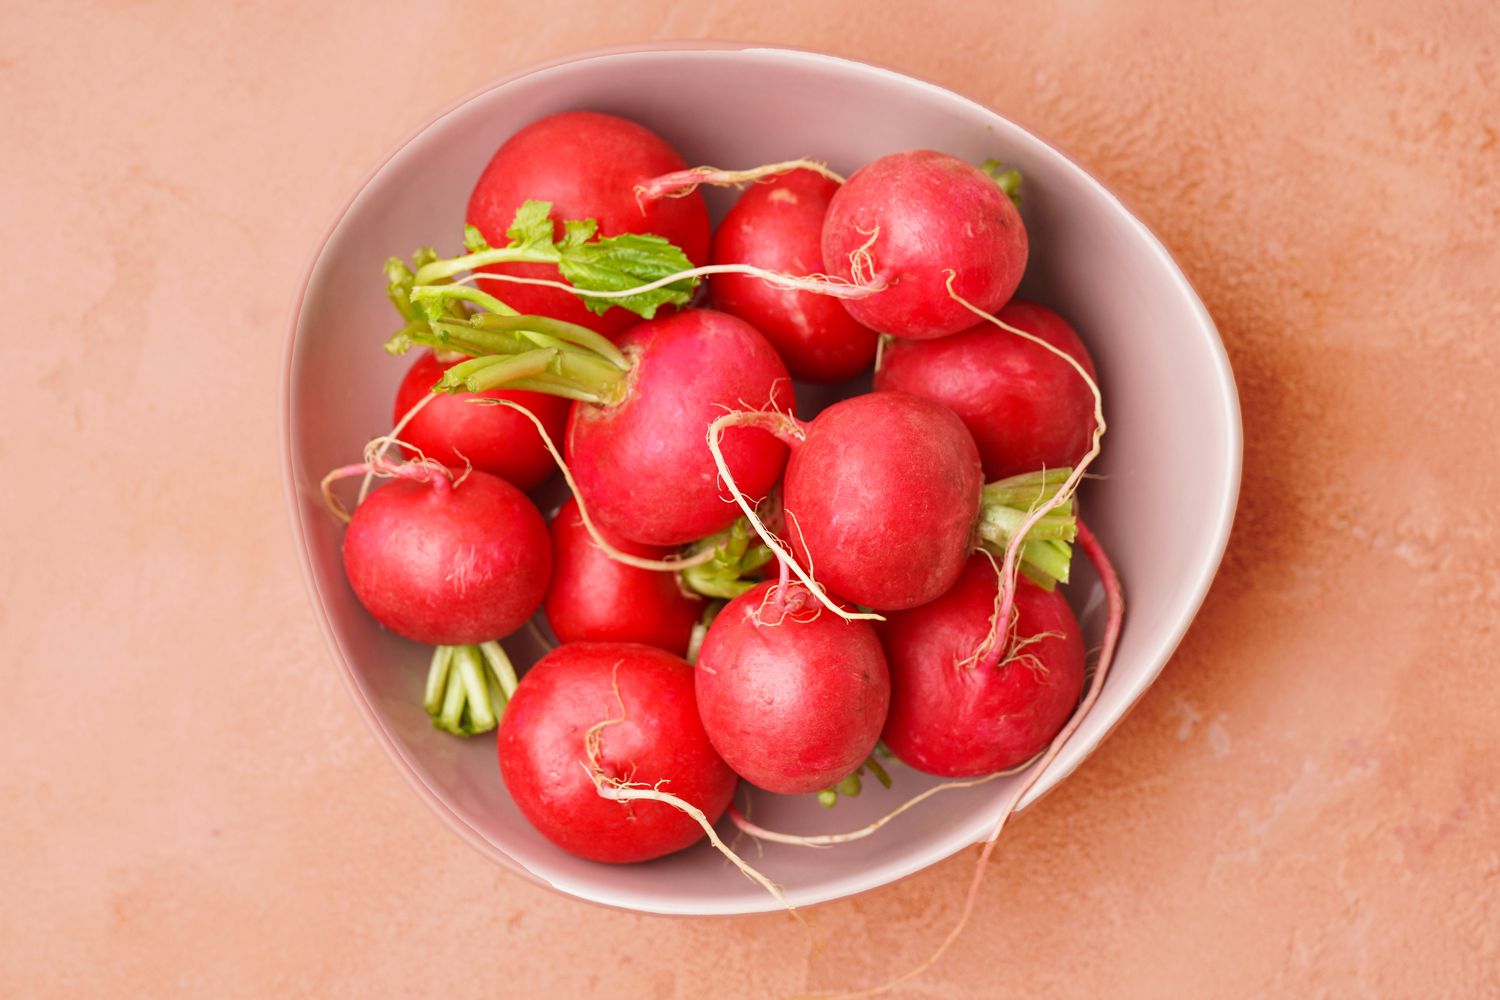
[1162, 505]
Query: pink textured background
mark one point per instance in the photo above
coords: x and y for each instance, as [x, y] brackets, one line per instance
[1308, 802]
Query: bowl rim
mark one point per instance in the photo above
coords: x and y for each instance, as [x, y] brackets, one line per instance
[1168, 638]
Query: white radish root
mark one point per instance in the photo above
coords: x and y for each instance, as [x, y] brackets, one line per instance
[761, 418]
[422, 470]
[682, 183]
[616, 790]
[819, 284]
[830, 839]
[659, 565]
[387, 440]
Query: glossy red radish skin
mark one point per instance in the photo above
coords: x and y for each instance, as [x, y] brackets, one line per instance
[642, 465]
[928, 213]
[792, 696]
[882, 499]
[653, 735]
[1026, 407]
[777, 224]
[495, 439]
[596, 598]
[587, 165]
[448, 563]
[957, 720]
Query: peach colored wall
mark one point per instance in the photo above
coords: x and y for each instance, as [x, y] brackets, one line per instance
[1307, 803]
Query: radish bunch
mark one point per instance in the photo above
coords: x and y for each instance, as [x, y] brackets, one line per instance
[737, 592]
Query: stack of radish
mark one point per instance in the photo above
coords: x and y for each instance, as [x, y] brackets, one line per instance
[736, 593]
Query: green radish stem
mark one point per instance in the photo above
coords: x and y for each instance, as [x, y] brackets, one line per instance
[851, 786]
[682, 183]
[468, 687]
[700, 630]
[733, 558]
[528, 369]
[1008, 179]
[508, 350]
[1005, 510]
[542, 331]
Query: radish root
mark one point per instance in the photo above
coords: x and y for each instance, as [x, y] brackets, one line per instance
[1014, 644]
[658, 565]
[819, 284]
[682, 183]
[633, 791]
[775, 598]
[760, 418]
[618, 790]
[422, 470]
[830, 839]
[862, 261]
[1008, 570]
[1115, 602]
[392, 438]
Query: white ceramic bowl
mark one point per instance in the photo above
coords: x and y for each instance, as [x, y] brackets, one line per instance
[1163, 504]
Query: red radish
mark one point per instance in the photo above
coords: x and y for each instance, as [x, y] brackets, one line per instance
[1026, 407]
[882, 499]
[778, 224]
[587, 165]
[642, 464]
[629, 711]
[494, 439]
[448, 560]
[955, 718]
[791, 695]
[909, 218]
[596, 598]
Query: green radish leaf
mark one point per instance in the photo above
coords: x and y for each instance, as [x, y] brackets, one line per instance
[532, 227]
[621, 262]
[586, 261]
[578, 232]
[474, 240]
[611, 264]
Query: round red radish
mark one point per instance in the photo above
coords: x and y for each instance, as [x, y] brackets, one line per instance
[882, 499]
[642, 465]
[778, 225]
[448, 563]
[652, 737]
[493, 439]
[791, 695]
[596, 598]
[951, 718]
[929, 213]
[1026, 407]
[587, 165]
